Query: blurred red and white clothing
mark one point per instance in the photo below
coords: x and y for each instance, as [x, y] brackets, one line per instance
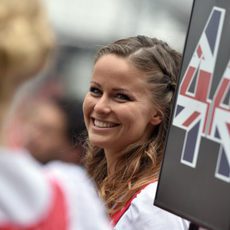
[57, 197]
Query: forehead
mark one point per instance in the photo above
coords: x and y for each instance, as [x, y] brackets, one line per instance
[114, 70]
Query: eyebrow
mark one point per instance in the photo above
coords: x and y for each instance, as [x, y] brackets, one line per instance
[120, 90]
[113, 89]
[94, 82]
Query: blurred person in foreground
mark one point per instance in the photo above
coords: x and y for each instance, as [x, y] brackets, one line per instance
[60, 197]
[54, 129]
[127, 112]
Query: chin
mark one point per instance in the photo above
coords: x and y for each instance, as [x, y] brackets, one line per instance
[98, 143]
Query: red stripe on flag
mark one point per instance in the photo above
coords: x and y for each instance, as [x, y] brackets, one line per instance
[219, 97]
[186, 80]
[199, 51]
[191, 119]
[228, 126]
[203, 85]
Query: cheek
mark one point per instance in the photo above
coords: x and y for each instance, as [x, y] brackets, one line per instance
[143, 116]
[87, 108]
[128, 118]
[136, 115]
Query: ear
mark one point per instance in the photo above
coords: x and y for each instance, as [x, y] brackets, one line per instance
[156, 118]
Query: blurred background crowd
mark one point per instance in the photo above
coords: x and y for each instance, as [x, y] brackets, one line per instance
[81, 27]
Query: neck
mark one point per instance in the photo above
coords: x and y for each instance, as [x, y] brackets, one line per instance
[111, 158]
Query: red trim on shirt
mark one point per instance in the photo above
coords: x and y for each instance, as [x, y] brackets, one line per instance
[56, 217]
[117, 215]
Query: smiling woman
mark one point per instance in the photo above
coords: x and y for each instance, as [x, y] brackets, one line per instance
[112, 106]
[126, 112]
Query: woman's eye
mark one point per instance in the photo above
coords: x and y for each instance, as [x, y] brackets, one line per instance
[123, 97]
[95, 91]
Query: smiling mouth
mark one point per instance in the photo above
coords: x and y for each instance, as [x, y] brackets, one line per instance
[104, 124]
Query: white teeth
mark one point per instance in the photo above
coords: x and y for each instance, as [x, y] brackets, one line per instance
[102, 124]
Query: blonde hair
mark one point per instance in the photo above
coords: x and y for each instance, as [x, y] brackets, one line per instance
[139, 164]
[25, 39]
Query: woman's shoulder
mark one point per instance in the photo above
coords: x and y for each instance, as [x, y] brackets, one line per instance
[81, 196]
[31, 197]
[69, 172]
[147, 193]
[44, 192]
[143, 214]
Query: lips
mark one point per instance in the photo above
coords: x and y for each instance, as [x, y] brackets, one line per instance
[104, 124]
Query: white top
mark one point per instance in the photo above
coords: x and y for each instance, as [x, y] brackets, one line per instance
[142, 214]
[27, 194]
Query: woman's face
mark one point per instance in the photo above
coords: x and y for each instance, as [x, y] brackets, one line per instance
[117, 109]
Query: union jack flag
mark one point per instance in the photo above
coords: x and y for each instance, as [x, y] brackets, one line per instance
[198, 114]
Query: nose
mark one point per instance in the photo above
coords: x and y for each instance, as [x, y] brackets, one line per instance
[103, 105]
